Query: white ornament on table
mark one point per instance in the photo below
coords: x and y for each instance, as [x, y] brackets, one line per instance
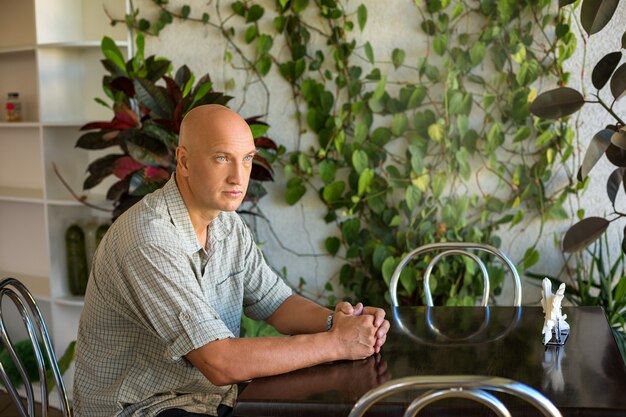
[551, 304]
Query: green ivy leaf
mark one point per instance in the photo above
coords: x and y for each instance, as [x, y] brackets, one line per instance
[400, 124]
[361, 16]
[365, 180]
[304, 163]
[506, 8]
[477, 52]
[519, 54]
[360, 132]
[389, 266]
[412, 196]
[295, 191]
[380, 89]
[462, 123]
[522, 134]
[254, 13]
[360, 161]
[408, 279]
[435, 132]
[545, 138]
[397, 57]
[350, 230]
[531, 257]
[333, 191]
[464, 167]
[332, 245]
[251, 33]
[440, 43]
[438, 184]
[185, 11]
[369, 52]
[264, 64]
[238, 8]
[205, 18]
[381, 253]
[327, 171]
[264, 44]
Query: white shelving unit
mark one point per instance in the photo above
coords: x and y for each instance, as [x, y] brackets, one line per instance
[50, 54]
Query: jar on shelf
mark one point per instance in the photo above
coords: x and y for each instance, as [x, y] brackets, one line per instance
[76, 256]
[13, 108]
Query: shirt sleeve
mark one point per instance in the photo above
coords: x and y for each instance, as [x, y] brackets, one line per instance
[162, 291]
[264, 290]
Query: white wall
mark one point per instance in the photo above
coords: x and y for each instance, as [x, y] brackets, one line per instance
[301, 228]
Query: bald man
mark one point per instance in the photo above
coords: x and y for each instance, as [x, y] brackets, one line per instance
[158, 335]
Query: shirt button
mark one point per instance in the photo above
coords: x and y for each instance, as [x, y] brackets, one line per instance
[184, 316]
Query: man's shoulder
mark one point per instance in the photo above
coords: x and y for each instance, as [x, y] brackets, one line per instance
[147, 221]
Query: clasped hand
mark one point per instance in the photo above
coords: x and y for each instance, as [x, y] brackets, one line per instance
[363, 330]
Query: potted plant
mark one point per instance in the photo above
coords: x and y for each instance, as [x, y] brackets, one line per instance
[149, 104]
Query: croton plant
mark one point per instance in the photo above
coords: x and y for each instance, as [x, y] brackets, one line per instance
[149, 104]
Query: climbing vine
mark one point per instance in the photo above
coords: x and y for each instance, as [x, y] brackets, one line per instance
[405, 150]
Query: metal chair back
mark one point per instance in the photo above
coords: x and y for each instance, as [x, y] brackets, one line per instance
[472, 387]
[456, 248]
[33, 321]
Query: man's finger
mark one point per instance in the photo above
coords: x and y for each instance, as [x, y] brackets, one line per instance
[358, 309]
[378, 313]
[345, 307]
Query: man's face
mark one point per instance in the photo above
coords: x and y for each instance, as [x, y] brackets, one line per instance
[219, 170]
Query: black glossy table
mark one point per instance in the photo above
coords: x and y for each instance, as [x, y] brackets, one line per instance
[586, 377]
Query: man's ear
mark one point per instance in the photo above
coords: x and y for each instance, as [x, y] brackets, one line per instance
[181, 161]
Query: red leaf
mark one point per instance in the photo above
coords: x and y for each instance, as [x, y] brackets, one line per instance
[265, 143]
[155, 173]
[125, 166]
[173, 90]
[125, 117]
[98, 125]
[261, 169]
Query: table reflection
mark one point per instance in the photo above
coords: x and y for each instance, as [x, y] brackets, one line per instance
[459, 326]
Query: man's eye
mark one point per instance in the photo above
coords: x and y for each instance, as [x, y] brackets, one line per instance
[248, 158]
[220, 158]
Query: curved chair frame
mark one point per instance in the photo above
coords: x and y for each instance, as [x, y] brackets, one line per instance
[433, 262]
[457, 246]
[29, 311]
[472, 387]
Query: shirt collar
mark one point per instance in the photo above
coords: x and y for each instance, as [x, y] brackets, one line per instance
[219, 228]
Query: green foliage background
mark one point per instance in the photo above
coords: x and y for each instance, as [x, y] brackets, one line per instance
[407, 149]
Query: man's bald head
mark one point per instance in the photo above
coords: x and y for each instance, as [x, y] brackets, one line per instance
[214, 161]
[210, 122]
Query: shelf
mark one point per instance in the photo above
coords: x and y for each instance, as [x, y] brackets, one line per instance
[70, 300]
[16, 49]
[21, 195]
[65, 123]
[19, 125]
[38, 286]
[99, 201]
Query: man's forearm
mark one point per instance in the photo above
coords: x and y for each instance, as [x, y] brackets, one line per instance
[298, 315]
[229, 361]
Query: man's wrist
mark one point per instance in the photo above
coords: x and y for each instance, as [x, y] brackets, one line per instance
[329, 322]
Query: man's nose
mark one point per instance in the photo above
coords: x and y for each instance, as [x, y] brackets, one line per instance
[237, 174]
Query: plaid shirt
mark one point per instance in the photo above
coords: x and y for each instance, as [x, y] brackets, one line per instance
[154, 295]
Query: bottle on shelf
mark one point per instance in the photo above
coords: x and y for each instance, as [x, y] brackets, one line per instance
[13, 108]
[77, 270]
